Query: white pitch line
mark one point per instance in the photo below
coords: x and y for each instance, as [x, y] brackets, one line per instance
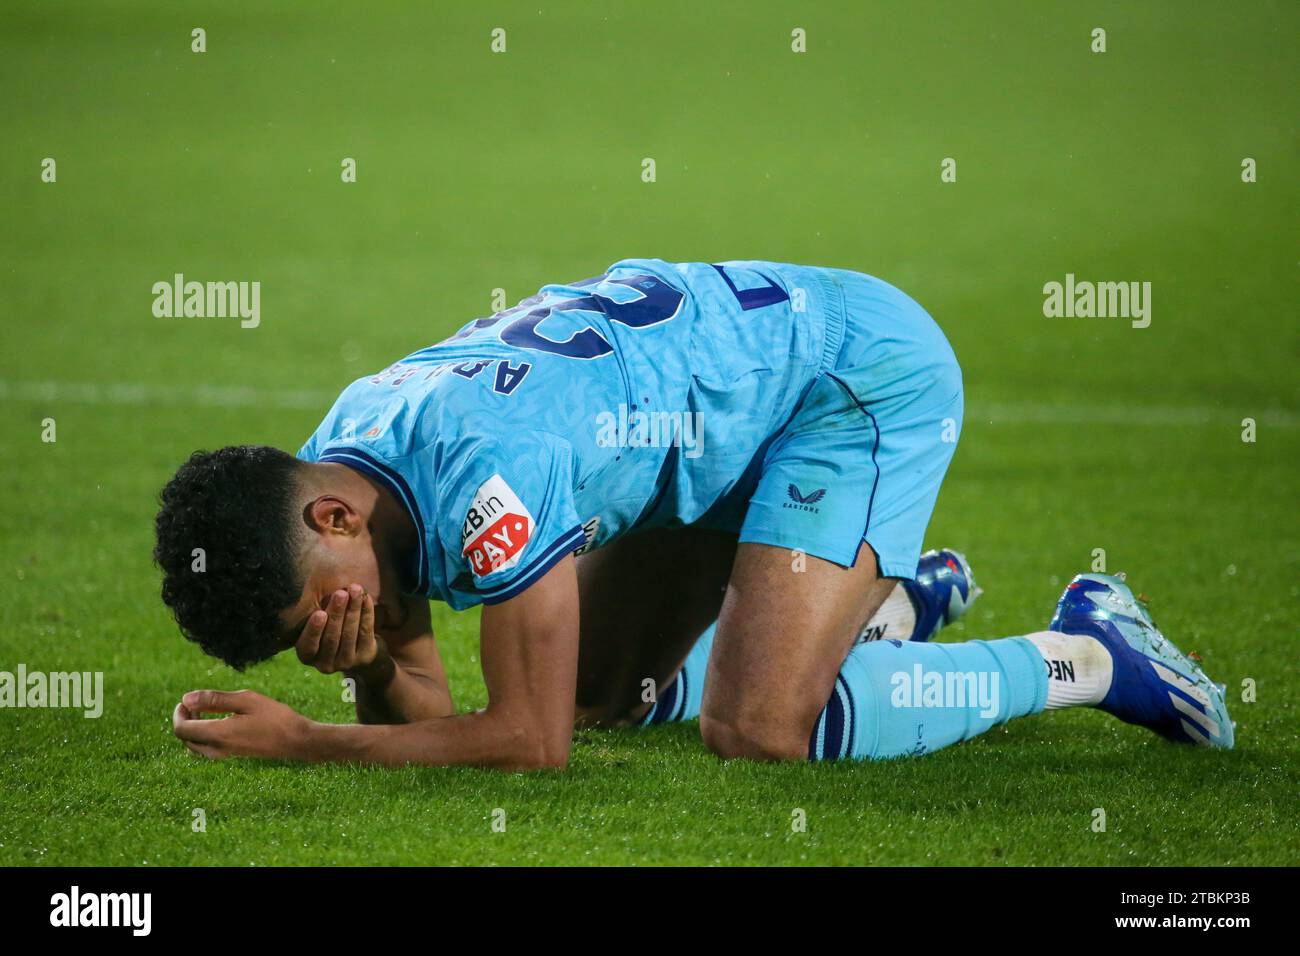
[248, 396]
[1138, 415]
[139, 393]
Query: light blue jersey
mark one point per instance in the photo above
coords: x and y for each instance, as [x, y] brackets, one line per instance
[650, 396]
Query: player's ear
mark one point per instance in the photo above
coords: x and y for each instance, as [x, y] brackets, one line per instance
[328, 514]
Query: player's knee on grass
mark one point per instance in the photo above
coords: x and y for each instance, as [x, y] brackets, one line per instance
[731, 737]
[779, 645]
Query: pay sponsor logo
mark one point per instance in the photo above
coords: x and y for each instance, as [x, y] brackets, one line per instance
[78, 690]
[208, 300]
[634, 428]
[76, 908]
[496, 528]
[964, 689]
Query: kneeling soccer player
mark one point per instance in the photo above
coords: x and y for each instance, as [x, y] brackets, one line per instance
[610, 468]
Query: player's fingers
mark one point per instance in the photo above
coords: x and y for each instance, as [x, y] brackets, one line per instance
[198, 731]
[329, 639]
[217, 701]
[366, 634]
[351, 621]
[212, 753]
[180, 715]
[309, 640]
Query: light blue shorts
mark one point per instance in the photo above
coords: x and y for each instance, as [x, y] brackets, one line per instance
[864, 454]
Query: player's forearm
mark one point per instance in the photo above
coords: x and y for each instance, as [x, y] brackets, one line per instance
[388, 693]
[484, 738]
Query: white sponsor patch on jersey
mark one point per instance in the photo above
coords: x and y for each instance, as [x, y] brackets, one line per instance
[497, 527]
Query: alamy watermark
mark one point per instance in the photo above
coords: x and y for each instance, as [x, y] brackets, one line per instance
[630, 428]
[79, 690]
[925, 688]
[1103, 300]
[76, 908]
[208, 300]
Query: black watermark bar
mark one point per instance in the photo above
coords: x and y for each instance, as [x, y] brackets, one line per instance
[303, 905]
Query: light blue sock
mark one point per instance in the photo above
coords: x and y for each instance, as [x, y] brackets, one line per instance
[895, 699]
[680, 699]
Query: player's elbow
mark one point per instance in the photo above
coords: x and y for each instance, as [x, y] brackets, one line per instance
[529, 746]
[550, 760]
[541, 753]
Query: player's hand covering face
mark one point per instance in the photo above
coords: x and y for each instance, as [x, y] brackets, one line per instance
[341, 637]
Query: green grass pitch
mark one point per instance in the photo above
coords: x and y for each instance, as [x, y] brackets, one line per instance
[479, 170]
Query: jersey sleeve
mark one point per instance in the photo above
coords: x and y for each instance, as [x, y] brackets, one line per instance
[308, 450]
[363, 417]
[510, 517]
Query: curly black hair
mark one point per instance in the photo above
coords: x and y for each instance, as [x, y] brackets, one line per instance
[237, 505]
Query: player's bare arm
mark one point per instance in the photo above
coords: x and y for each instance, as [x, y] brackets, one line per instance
[529, 648]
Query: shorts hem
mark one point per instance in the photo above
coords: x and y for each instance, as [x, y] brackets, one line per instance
[897, 569]
[775, 539]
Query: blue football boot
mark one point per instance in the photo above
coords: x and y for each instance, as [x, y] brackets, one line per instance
[1155, 685]
[943, 589]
